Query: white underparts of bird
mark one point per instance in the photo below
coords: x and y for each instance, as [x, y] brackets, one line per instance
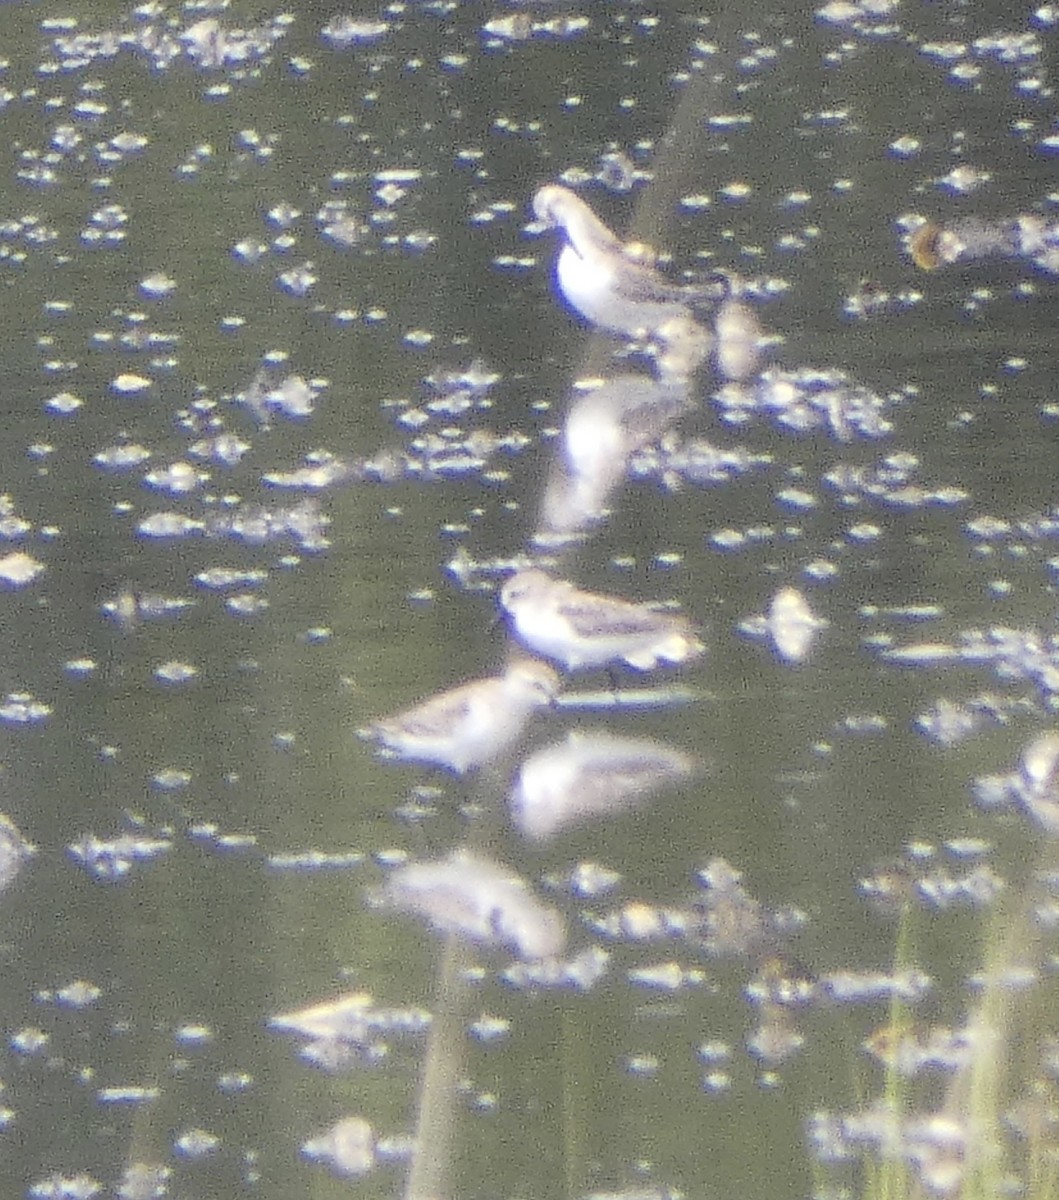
[605, 281]
[582, 629]
[471, 725]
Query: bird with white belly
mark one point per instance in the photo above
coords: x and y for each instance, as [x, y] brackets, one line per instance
[602, 279]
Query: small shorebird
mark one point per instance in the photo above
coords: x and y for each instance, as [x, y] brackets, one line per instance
[602, 279]
[471, 725]
[591, 775]
[583, 629]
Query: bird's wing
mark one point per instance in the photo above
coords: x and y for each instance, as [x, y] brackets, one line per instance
[434, 717]
[602, 616]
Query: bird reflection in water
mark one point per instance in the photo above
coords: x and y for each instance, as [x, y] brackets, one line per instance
[610, 419]
[604, 426]
[581, 629]
[591, 775]
[478, 899]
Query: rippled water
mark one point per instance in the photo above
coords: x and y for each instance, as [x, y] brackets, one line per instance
[284, 376]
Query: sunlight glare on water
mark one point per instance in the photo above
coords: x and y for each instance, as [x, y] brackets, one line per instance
[734, 332]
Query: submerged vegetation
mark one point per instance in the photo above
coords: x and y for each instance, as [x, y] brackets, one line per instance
[969, 1110]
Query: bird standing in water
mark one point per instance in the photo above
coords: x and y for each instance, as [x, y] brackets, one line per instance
[603, 280]
[472, 725]
[582, 630]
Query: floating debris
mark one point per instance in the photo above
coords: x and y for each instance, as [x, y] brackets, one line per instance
[345, 31]
[480, 900]
[77, 995]
[939, 1147]
[290, 396]
[178, 479]
[209, 834]
[348, 1148]
[175, 673]
[948, 722]
[776, 1038]
[353, 1019]
[113, 859]
[519, 27]
[195, 1144]
[168, 525]
[580, 973]
[1033, 786]
[129, 609]
[617, 171]
[350, 1030]
[19, 569]
[225, 449]
[667, 977]
[122, 457]
[656, 1192]
[304, 524]
[29, 1041]
[128, 1097]
[1014, 655]
[488, 1029]
[11, 524]
[591, 775]
[1029, 237]
[66, 1187]
[637, 921]
[21, 708]
[219, 578]
[976, 888]
[470, 725]
[861, 15]
[724, 919]
[315, 860]
[674, 461]
[515, 27]
[637, 699]
[158, 284]
[14, 851]
[64, 404]
[589, 880]
[918, 879]
[131, 385]
[144, 1181]
[807, 399]
[1038, 781]
[864, 987]
[912, 1051]
[322, 470]
[790, 625]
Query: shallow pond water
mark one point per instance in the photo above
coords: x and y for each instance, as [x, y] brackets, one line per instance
[285, 379]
